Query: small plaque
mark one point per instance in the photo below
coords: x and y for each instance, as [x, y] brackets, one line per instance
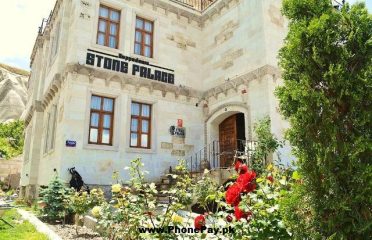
[70, 143]
[177, 131]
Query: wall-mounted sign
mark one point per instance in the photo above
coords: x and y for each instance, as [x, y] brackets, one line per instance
[179, 123]
[129, 65]
[177, 131]
[70, 143]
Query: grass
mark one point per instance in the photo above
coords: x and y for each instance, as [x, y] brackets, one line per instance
[21, 231]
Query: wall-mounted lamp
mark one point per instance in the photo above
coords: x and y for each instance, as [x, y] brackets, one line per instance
[197, 105]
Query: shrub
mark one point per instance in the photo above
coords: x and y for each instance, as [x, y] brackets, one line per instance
[56, 199]
[82, 202]
[326, 97]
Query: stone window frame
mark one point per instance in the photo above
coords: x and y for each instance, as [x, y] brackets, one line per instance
[138, 131]
[100, 127]
[155, 37]
[108, 22]
[143, 33]
[115, 94]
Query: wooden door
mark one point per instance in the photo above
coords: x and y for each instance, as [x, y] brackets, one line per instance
[228, 142]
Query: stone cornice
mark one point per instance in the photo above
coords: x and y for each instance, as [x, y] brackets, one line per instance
[109, 76]
[242, 79]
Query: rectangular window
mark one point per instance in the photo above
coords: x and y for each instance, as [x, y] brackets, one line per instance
[55, 43]
[143, 42]
[50, 129]
[140, 125]
[47, 133]
[101, 120]
[108, 27]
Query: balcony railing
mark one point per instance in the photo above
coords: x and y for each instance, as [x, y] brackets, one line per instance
[199, 5]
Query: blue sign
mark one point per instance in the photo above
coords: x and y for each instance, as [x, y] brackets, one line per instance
[70, 143]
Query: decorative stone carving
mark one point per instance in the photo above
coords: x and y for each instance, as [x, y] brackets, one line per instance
[165, 145]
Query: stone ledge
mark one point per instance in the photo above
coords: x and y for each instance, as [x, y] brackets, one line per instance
[39, 225]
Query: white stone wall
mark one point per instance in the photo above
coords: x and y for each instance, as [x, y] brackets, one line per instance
[225, 60]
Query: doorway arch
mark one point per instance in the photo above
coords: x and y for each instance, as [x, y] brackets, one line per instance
[228, 114]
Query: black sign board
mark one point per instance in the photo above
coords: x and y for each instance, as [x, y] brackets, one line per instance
[70, 143]
[129, 65]
[177, 131]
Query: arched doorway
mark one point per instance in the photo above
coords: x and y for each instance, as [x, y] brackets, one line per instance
[231, 138]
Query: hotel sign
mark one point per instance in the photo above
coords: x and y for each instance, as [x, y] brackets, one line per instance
[177, 131]
[129, 65]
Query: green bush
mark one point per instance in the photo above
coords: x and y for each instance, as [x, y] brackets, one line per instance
[326, 97]
[11, 139]
[55, 200]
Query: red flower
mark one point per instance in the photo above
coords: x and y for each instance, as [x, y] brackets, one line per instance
[240, 214]
[233, 194]
[199, 222]
[246, 181]
[238, 163]
[229, 218]
[243, 169]
[270, 178]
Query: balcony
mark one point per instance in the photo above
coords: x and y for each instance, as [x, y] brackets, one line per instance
[199, 5]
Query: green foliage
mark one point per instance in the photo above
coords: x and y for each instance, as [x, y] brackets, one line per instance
[326, 96]
[267, 143]
[23, 230]
[205, 190]
[82, 202]
[56, 200]
[11, 139]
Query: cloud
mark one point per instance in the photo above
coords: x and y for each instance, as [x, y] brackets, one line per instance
[19, 21]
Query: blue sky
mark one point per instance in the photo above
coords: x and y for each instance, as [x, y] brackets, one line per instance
[19, 22]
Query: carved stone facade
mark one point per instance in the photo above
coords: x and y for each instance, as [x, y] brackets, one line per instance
[223, 60]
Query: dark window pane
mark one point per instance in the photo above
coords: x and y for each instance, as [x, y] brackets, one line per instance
[94, 119]
[114, 16]
[101, 39]
[135, 109]
[106, 136]
[93, 137]
[96, 103]
[103, 12]
[108, 104]
[138, 36]
[147, 51]
[139, 23]
[134, 125]
[107, 121]
[145, 110]
[113, 28]
[112, 42]
[133, 139]
[145, 126]
[144, 140]
[148, 26]
[102, 26]
[137, 48]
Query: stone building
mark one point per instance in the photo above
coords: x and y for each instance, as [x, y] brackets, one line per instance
[161, 79]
